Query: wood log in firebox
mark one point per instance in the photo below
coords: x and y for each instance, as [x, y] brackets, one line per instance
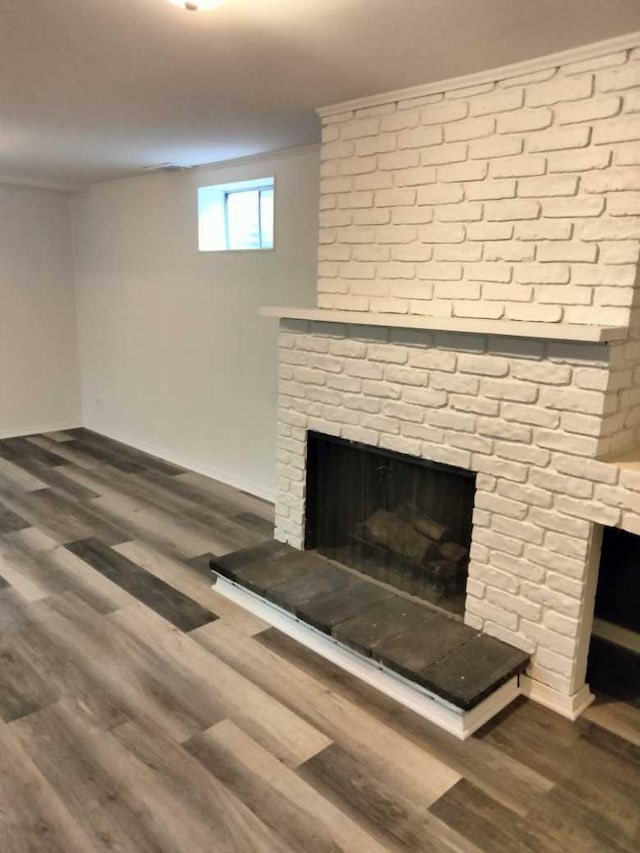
[453, 552]
[400, 537]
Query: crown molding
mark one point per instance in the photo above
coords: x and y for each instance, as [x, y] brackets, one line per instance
[490, 75]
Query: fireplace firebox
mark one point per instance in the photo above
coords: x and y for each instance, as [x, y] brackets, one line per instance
[402, 520]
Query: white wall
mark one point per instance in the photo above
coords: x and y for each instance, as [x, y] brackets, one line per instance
[175, 359]
[39, 381]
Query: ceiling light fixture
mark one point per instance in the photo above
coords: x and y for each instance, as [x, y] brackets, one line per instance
[195, 5]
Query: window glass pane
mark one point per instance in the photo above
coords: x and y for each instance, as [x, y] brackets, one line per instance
[266, 218]
[243, 220]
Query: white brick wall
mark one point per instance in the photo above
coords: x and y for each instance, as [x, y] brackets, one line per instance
[530, 418]
[517, 199]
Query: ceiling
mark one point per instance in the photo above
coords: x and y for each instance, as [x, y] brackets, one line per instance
[96, 89]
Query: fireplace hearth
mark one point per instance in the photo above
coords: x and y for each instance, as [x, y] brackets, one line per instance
[404, 521]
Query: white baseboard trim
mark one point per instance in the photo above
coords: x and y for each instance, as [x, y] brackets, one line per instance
[240, 483]
[459, 723]
[570, 707]
[35, 429]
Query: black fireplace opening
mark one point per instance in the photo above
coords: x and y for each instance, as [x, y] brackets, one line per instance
[614, 653]
[402, 520]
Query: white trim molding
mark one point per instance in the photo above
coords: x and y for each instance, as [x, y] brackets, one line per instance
[490, 75]
[570, 707]
[459, 723]
[37, 429]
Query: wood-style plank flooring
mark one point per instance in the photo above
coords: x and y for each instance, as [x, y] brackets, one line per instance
[142, 712]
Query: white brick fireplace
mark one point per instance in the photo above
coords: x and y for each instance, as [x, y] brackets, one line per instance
[477, 306]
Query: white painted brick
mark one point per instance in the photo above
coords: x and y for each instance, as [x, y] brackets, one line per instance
[518, 392]
[381, 389]
[397, 233]
[442, 113]
[549, 639]
[561, 624]
[400, 120]
[357, 433]
[559, 89]
[567, 251]
[491, 189]
[395, 197]
[506, 544]
[556, 139]
[440, 271]
[566, 545]
[503, 250]
[590, 110]
[357, 269]
[439, 194]
[507, 292]
[525, 493]
[354, 199]
[412, 215]
[497, 102]
[398, 160]
[610, 229]
[455, 382]
[387, 353]
[483, 365]
[412, 252]
[532, 415]
[581, 424]
[371, 253]
[394, 270]
[522, 121]
[358, 128]
[549, 185]
[469, 403]
[416, 176]
[356, 166]
[462, 212]
[379, 144]
[627, 155]
[532, 273]
[500, 468]
[577, 207]
[624, 204]
[534, 313]
[552, 520]
[495, 146]
[488, 272]
[453, 152]
[552, 560]
[515, 167]
[572, 400]
[474, 128]
[511, 209]
[479, 310]
[470, 171]
[442, 233]
[335, 150]
[420, 137]
[348, 347]
[562, 294]
[612, 180]
[607, 316]
[375, 110]
[579, 161]
[598, 513]
[590, 469]
[514, 604]
[490, 231]
[618, 79]
[617, 130]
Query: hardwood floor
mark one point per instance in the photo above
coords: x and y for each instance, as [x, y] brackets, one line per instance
[140, 711]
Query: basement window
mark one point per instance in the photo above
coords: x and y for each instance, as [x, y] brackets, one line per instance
[236, 216]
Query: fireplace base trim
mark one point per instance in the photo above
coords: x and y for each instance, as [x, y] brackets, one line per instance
[570, 707]
[459, 723]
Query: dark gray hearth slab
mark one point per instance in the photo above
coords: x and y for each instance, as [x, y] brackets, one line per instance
[412, 651]
[469, 674]
[411, 638]
[389, 617]
[327, 611]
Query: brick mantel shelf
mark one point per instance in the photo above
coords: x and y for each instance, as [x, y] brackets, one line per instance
[509, 328]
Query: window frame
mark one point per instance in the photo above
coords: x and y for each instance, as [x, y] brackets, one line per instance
[212, 201]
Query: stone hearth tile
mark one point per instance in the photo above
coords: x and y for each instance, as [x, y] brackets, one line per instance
[415, 649]
[304, 588]
[231, 564]
[326, 611]
[474, 670]
[378, 623]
